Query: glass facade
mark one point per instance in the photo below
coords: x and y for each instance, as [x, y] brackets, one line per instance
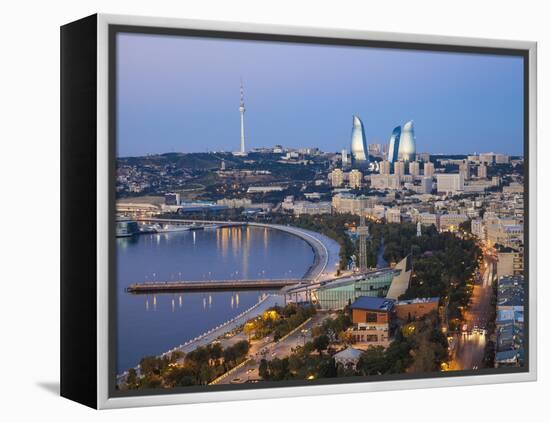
[394, 144]
[339, 294]
[407, 143]
[358, 142]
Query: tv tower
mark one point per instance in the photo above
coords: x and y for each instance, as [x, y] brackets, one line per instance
[242, 109]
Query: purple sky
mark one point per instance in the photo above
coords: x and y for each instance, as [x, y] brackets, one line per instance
[178, 93]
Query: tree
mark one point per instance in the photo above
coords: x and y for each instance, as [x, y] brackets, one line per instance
[263, 369]
[321, 343]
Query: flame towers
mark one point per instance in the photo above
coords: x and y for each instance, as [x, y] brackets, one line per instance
[393, 149]
[359, 143]
[407, 143]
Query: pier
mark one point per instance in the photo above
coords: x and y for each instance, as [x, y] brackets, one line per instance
[213, 285]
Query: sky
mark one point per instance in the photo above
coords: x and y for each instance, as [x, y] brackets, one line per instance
[181, 94]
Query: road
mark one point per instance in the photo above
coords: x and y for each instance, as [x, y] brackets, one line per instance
[269, 349]
[470, 347]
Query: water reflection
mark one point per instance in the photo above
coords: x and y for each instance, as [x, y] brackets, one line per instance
[154, 323]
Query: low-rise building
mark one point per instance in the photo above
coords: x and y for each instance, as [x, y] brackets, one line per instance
[371, 318]
[415, 308]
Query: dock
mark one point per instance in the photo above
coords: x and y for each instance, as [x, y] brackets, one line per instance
[213, 285]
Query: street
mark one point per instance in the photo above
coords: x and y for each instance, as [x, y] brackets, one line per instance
[471, 343]
[270, 350]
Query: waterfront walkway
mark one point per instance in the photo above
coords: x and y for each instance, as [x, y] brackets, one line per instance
[220, 330]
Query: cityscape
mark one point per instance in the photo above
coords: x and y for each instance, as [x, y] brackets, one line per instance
[264, 264]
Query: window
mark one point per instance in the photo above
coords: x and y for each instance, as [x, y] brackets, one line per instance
[371, 318]
[372, 338]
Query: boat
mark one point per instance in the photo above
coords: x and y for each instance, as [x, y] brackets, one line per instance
[126, 228]
[172, 228]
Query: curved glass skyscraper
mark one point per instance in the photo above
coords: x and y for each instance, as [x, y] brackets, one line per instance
[393, 148]
[407, 143]
[358, 142]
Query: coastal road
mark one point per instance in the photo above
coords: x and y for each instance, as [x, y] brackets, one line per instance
[269, 350]
[470, 348]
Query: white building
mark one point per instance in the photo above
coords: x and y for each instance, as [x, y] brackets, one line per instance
[450, 183]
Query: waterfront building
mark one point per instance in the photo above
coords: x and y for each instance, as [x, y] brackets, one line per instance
[416, 308]
[337, 178]
[359, 143]
[482, 171]
[341, 292]
[235, 203]
[371, 318]
[264, 189]
[393, 148]
[414, 168]
[450, 183]
[429, 169]
[384, 182]
[355, 178]
[172, 198]
[399, 168]
[407, 143]
[402, 279]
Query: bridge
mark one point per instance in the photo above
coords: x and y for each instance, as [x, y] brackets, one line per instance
[213, 285]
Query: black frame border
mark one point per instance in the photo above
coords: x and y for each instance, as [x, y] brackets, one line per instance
[114, 29]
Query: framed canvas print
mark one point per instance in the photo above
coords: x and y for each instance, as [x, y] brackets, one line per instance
[254, 211]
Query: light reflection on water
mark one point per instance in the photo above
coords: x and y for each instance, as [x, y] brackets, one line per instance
[151, 324]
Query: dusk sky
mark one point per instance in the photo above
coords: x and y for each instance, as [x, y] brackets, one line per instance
[181, 94]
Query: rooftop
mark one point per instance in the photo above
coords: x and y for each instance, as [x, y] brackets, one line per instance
[419, 301]
[373, 303]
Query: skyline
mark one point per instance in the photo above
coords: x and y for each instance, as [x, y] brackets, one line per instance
[473, 101]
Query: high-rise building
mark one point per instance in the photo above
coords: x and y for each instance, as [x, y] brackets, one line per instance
[359, 143]
[426, 185]
[464, 169]
[407, 143]
[355, 178]
[393, 148]
[450, 183]
[423, 157]
[399, 168]
[385, 167]
[337, 178]
[345, 158]
[414, 168]
[482, 171]
[502, 159]
[429, 169]
[375, 150]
